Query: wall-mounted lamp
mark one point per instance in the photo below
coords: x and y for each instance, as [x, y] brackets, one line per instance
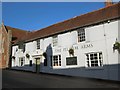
[108, 21]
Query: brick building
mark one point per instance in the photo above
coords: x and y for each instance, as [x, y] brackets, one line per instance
[4, 46]
[8, 36]
[17, 35]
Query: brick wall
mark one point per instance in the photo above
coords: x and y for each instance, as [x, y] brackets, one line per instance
[4, 49]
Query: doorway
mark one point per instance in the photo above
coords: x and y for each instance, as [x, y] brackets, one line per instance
[37, 65]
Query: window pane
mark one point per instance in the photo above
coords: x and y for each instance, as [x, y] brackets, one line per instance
[91, 55]
[96, 58]
[92, 65]
[91, 58]
[96, 61]
[92, 62]
[95, 54]
[96, 64]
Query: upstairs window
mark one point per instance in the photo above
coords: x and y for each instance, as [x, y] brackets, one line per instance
[94, 59]
[81, 35]
[55, 41]
[38, 44]
[21, 46]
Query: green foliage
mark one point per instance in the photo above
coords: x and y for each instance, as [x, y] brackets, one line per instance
[45, 54]
[71, 51]
[27, 55]
[116, 46]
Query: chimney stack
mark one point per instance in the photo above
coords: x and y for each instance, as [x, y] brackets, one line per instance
[108, 3]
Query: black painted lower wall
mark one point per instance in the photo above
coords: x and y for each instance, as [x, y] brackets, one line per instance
[107, 72]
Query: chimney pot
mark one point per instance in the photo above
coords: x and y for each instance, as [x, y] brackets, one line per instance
[108, 3]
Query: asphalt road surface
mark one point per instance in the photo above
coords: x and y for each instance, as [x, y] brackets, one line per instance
[19, 79]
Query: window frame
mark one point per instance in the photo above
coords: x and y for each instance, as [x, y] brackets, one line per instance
[38, 43]
[81, 35]
[58, 61]
[55, 40]
[91, 59]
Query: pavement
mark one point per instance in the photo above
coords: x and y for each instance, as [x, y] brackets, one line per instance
[19, 79]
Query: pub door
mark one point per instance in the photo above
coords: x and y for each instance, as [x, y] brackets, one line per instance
[37, 67]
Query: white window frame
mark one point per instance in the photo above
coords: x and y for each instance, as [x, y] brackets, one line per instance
[55, 40]
[21, 61]
[81, 35]
[90, 60]
[38, 43]
[58, 61]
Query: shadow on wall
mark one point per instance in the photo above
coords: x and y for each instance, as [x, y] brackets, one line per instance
[33, 66]
[48, 59]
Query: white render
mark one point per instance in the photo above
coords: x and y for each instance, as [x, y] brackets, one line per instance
[99, 38]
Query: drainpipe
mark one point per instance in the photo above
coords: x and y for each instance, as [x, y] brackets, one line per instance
[107, 65]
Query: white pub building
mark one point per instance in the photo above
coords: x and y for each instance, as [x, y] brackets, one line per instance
[87, 46]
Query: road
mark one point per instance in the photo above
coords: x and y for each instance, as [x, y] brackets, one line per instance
[19, 79]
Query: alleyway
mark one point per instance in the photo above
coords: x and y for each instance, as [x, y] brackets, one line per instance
[19, 79]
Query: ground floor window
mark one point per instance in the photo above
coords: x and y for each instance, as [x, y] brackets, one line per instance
[94, 59]
[21, 61]
[71, 61]
[56, 60]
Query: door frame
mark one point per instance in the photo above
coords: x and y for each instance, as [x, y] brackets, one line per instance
[37, 65]
[35, 57]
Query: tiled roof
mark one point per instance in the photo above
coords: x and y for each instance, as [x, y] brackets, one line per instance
[17, 33]
[100, 15]
[107, 13]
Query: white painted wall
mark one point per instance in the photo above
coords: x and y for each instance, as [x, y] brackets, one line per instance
[111, 30]
[101, 37]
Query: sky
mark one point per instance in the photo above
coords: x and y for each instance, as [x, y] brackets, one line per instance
[36, 15]
[0, 12]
